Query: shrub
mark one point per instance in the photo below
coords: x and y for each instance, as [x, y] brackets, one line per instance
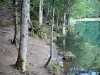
[35, 26]
[54, 69]
[43, 33]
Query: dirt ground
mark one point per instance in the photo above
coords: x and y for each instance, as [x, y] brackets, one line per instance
[38, 54]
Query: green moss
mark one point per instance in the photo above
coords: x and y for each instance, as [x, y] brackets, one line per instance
[19, 63]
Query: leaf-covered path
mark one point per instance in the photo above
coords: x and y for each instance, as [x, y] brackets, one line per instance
[38, 53]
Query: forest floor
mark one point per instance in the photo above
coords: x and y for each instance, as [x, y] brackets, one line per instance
[38, 54]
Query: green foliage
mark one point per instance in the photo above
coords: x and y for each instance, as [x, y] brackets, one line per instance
[36, 26]
[59, 42]
[3, 4]
[58, 29]
[34, 9]
[68, 52]
[47, 41]
[31, 34]
[43, 33]
[84, 8]
[53, 69]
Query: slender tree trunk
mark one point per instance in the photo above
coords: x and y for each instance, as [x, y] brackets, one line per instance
[57, 19]
[52, 33]
[51, 47]
[21, 60]
[41, 12]
[15, 21]
[99, 16]
[57, 23]
[47, 15]
[64, 29]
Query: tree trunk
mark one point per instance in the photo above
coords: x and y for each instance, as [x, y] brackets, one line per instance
[57, 23]
[41, 12]
[48, 10]
[47, 15]
[15, 21]
[99, 16]
[57, 19]
[64, 29]
[51, 47]
[21, 60]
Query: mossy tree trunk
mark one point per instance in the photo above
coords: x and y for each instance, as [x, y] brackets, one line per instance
[21, 60]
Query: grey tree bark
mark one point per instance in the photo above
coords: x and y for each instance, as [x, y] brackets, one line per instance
[64, 29]
[41, 12]
[51, 47]
[15, 21]
[21, 60]
[48, 14]
[57, 19]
